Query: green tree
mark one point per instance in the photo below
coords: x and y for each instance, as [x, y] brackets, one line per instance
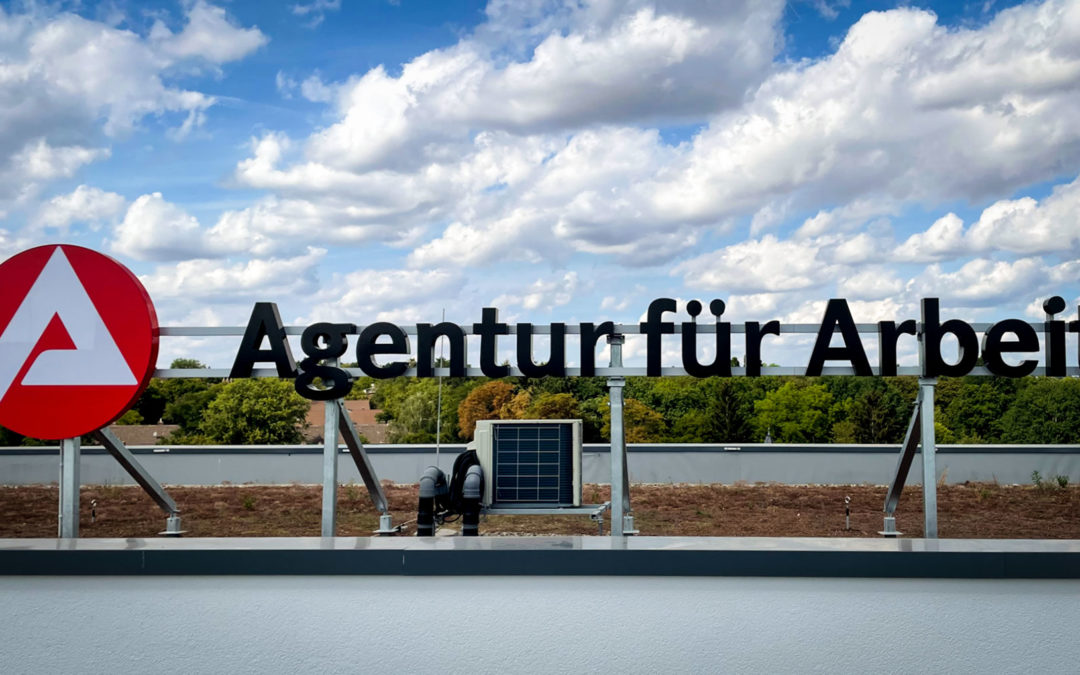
[797, 412]
[187, 364]
[641, 424]
[415, 420]
[879, 414]
[486, 402]
[389, 394]
[593, 411]
[976, 411]
[130, 417]
[160, 394]
[10, 438]
[696, 426]
[553, 407]
[672, 397]
[255, 411]
[151, 405]
[188, 409]
[730, 410]
[1046, 410]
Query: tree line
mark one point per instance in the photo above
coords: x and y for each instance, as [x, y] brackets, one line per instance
[968, 410]
[656, 410]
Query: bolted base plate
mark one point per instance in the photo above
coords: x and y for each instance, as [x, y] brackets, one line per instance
[172, 527]
[386, 527]
[890, 528]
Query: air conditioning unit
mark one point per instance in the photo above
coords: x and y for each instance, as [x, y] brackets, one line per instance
[530, 463]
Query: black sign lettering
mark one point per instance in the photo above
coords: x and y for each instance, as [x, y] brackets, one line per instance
[837, 315]
[934, 365]
[589, 335]
[654, 328]
[721, 365]
[754, 333]
[888, 334]
[426, 336]
[556, 364]
[1055, 337]
[489, 329]
[322, 341]
[367, 345]
[995, 344]
[265, 322]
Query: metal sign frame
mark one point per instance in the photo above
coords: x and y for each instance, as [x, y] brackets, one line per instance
[920, 432]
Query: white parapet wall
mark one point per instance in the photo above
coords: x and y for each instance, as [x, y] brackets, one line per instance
[648, 463]
[355, 622]
[329, 624]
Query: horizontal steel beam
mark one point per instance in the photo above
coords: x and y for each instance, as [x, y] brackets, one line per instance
[586, 510]
[602, 448]
[630, 371]
[571, 329]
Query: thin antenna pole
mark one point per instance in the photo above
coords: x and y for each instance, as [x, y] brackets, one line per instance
[438, 408]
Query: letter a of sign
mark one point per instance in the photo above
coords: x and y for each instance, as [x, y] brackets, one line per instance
[78, 341]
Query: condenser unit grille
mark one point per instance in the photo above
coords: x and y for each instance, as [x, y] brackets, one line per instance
[533, 463]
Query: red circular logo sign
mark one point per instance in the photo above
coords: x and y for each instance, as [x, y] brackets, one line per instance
[78, 341]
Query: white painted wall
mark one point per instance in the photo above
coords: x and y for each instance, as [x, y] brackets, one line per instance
[645, 467]
[656, 625]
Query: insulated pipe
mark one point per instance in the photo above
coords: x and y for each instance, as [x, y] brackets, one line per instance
[471, 493]
[432, 485]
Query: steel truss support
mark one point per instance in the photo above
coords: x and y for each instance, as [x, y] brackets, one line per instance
[336, 422]
[622, 523]
[70, 455]
[920, 432]
[148, 483]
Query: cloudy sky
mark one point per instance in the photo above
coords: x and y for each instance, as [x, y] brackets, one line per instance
[362, 160]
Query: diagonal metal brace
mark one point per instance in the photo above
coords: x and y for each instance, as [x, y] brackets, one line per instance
[907, 454]
[363, 464]
[127, 460]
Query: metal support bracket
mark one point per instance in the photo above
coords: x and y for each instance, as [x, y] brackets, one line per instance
[386, 526]
[890, 528]
[620, 473]
[907, 455]
[336, 422]
[329, 470]
[920, 434]
[363, 463]
[597, 517]
[929, 457]
[148, 483]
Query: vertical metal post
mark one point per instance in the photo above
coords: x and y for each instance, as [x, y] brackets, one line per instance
[330, 453]
[68, 525]
[929, 457]
[618, 437]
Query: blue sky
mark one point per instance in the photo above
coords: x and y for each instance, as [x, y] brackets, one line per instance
[361, 161]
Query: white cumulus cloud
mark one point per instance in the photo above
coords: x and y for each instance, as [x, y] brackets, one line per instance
[85, 204]
[154, 229]
[65, 80]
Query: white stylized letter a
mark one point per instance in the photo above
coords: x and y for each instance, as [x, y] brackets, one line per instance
[96, 360]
